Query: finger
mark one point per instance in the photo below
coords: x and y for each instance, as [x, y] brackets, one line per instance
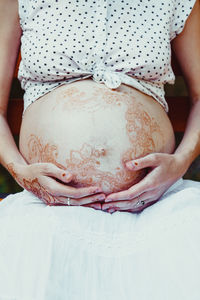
[118, 205]
[147, 196]
[58, 189]
[96, 205]
[150, 196]
[141, 207]
[147, 184]
[150, 160]
[132, 205]
[124, 195]
[47, 198]
[79, 193]
[111, 211]
[53, 171]
[82, 201]
[89, 199]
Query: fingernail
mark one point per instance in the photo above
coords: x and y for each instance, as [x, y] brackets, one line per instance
[68, 176]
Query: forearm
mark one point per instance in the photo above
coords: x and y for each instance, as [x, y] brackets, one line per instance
[10, 35]
[189, 147]
[9, 152]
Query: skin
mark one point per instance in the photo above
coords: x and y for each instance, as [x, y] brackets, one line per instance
[165, 168]
[86, 160]
[95, 152]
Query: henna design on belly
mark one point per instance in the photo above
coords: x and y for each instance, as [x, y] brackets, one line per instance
[85, 165]
[42, 153]
[141, 129]
[85, 161]
[71, 94]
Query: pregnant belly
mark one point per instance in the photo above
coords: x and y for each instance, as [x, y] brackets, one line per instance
[92, 131]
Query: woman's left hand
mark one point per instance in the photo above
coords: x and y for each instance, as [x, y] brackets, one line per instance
[163, 170]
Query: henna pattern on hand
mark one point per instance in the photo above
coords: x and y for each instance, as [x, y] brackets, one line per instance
[39, 191]
[10, 168]
[33, 186]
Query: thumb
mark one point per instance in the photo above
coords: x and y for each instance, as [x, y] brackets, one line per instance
[65, 176]
[147, 161]
[56, 172]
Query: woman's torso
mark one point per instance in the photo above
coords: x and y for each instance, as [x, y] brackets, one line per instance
[92, 130]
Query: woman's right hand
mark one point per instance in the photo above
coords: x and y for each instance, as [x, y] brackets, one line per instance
[40, 179]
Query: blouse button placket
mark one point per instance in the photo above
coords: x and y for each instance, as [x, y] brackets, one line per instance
[100, 72]
[100, 31]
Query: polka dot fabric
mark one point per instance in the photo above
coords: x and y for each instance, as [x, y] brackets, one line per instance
[111, 41]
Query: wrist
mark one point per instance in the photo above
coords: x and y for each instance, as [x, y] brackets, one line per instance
[184, 160]
[16, 169]
[188, 150]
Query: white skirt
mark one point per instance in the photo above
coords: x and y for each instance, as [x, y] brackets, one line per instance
[78, 253]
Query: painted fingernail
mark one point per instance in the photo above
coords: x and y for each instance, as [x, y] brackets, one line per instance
[68, 176]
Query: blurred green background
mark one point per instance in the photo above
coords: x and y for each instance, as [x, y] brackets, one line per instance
[8, 185]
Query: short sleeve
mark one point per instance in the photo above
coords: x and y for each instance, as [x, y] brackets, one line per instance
[23, 8]
[181, 11]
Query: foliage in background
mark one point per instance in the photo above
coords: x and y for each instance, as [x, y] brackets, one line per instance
[7, 183]
[193, 172]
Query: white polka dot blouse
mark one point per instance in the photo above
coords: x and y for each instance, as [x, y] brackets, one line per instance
[111, 41]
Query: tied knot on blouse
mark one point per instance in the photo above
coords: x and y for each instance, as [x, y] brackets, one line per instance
[113, 41]
[102, 74]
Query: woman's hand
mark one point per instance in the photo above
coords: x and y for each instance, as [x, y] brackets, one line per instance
[163, 171]
[41, 180]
